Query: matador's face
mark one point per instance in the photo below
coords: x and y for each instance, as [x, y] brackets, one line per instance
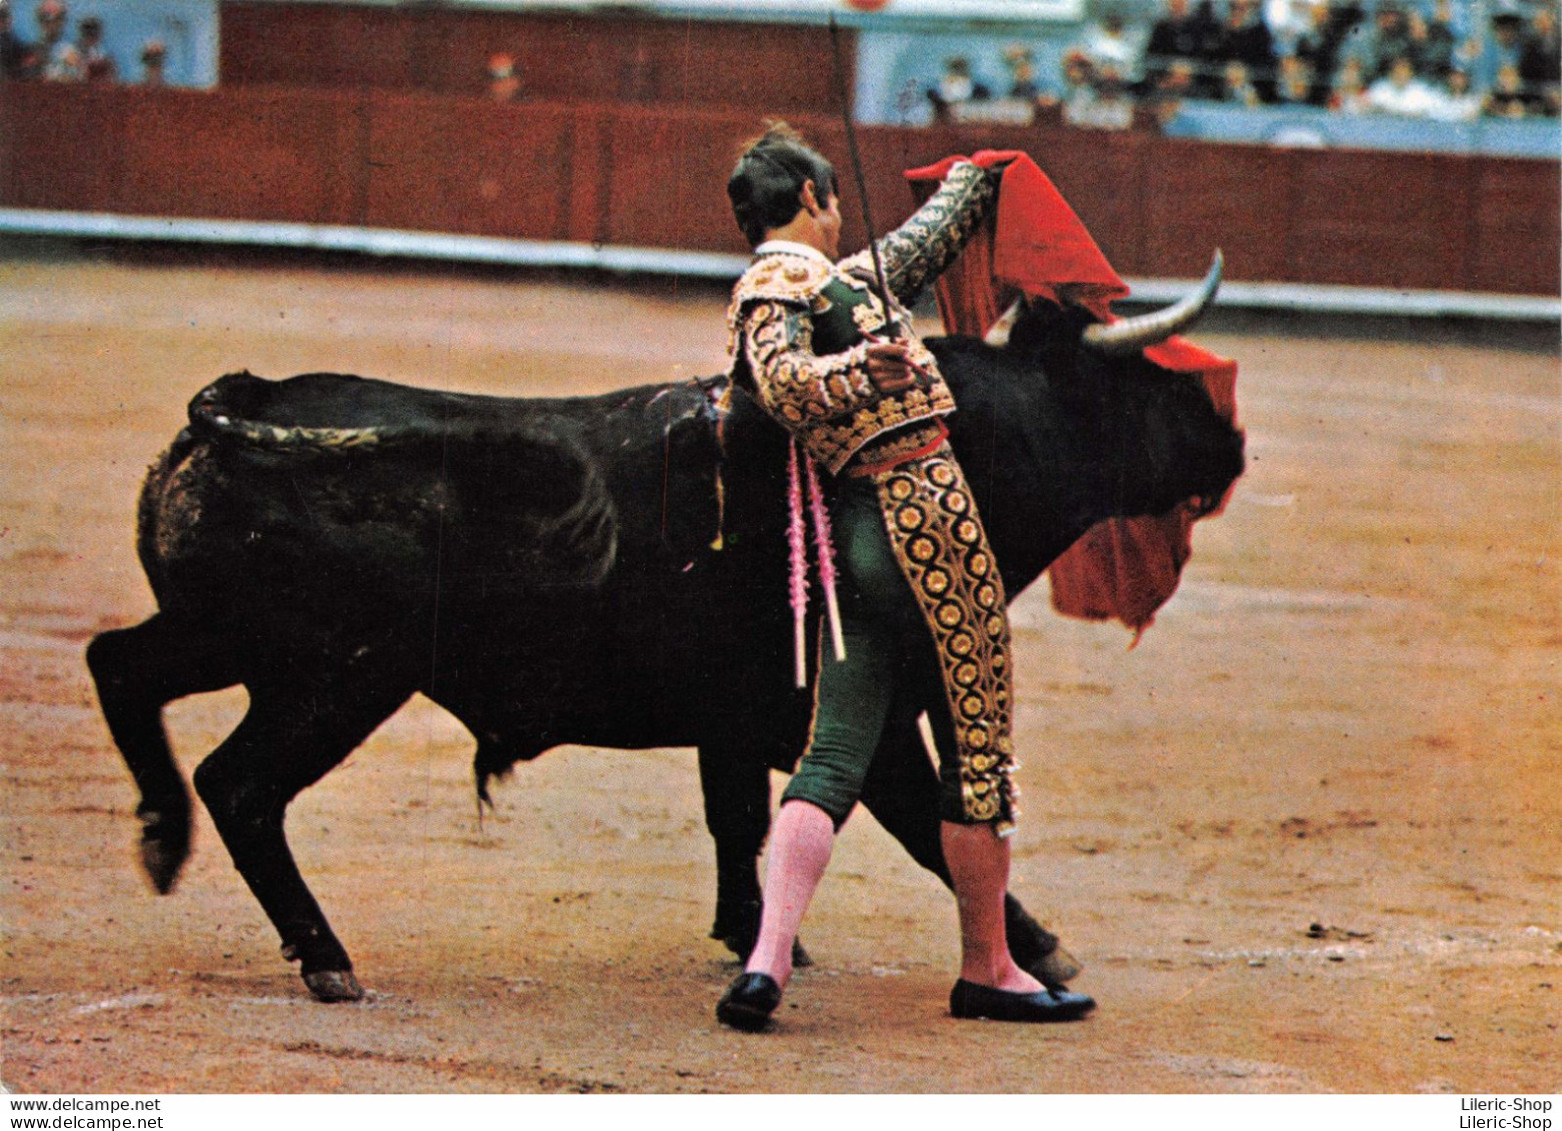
[830, 223]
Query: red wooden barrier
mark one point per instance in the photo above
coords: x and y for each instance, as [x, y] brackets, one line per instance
[612, 56]
[655, 176]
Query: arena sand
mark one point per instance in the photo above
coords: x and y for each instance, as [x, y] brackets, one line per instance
[1305, 836]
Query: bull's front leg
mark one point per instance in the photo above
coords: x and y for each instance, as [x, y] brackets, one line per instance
[291, 736]
[736, 785]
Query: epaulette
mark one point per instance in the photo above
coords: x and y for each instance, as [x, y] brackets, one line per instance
[793, 279]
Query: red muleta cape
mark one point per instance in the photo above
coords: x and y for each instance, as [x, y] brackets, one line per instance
[1034, 244]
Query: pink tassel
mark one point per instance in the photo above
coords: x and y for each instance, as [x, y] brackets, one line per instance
[799, 576]
[826, 544]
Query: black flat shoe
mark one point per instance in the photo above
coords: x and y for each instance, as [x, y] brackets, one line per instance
[969, 1000]
[749, 1002]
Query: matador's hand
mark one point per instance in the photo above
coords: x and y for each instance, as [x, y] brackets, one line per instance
[890, 367]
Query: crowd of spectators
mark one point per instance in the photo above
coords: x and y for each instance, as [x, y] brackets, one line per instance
[59, 57]
[1407, 58]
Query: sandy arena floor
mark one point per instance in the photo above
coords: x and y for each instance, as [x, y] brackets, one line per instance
[1305, 836]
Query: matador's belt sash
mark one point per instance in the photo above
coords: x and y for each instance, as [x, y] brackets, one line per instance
[942, 547]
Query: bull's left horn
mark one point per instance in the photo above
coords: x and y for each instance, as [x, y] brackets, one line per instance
[1130, 335]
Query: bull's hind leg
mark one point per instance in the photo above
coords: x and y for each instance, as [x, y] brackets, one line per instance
[290, 738]
[138, 671]
[902, 791]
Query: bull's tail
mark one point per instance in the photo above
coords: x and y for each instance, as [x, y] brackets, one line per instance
[218, 412]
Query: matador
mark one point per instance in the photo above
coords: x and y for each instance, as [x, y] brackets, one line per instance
[924, 625]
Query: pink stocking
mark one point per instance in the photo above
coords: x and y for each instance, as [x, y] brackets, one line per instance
[800, 846]
[979, 863]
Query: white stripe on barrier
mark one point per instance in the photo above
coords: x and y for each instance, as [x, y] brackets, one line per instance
[1306, 297]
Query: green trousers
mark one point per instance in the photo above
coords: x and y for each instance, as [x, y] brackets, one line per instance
[891, 664]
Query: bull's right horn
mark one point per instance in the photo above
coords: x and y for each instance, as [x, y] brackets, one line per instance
[1128, 336]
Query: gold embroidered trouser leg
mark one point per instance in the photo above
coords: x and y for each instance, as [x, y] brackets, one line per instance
[942, 548]
[889, 668]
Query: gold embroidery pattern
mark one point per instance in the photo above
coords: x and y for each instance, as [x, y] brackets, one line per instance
[781, 278]
[927, 243]
[869, 316]
[942, 548]
[827, 401]
[795, 385]
[893, 449]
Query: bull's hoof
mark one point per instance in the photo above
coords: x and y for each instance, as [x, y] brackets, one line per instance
[738, 930]
[331, 986]
[1056, 969]
[742, 948]
[165, 846]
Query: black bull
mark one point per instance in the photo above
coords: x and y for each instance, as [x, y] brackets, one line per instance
[546, 571]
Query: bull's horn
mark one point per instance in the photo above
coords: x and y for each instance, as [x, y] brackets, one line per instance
[1130, 335]
[998, 333]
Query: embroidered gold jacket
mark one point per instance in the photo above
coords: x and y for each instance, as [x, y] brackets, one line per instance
[798, 328]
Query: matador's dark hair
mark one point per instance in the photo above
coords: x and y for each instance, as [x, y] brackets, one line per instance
[769, 176]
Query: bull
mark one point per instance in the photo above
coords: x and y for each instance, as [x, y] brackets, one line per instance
[607, 570]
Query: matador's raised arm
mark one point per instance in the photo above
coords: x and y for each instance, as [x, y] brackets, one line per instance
[920, 250]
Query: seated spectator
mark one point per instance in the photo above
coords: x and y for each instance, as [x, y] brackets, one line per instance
[1376, 45]
[1433, 42]
[1507, 98]
[1454, 100]
[1181, 35]
[1540, 61]
[1174, 87]
[1237, 87]
[1318, 47]
[504, 85]
[1401, 92]
[1078, 78]
[18, 58]
[1348, 94]
[1210, 60]
[1021, 63]
[955, 88]
[1503, 46]
[97, 64]
[58, 57]
[1112, 46]
[1111, 109]
[153, 56]
[1297, 85]
[1246, 40]
[1094, 100]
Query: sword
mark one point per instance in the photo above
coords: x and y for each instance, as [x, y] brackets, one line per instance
[856, 159]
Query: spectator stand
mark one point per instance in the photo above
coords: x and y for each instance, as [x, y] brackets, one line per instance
[1313, 127]
[899, 72]
[187, 29]
[307, 185]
